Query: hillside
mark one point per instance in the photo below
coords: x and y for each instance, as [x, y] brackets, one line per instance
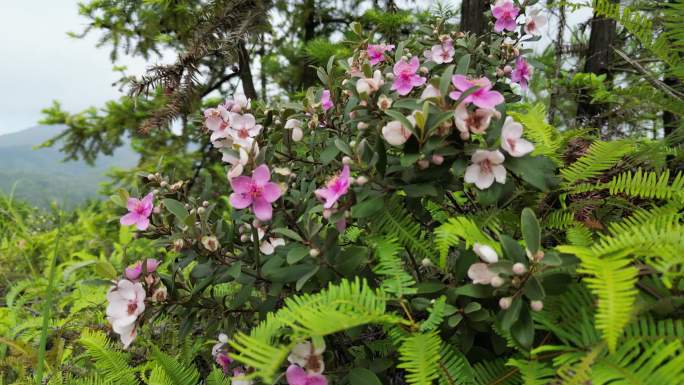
[40, 176]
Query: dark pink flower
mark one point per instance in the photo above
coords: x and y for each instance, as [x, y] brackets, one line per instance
[326, 103]
[484, 97]
[256, 191]
[334, 189]
[298, 376]
[224, 361]
[376, 52]
[133, 272]
[139, 211]
[522, 72]
[405, 77]
[505, 13]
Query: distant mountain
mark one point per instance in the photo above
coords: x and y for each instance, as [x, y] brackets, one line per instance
[40, 176]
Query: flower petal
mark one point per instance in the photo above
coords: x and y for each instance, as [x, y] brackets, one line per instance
[499, 173]
[296, 375]
[240, 200]
[262, 209]
[271, 192]
[130, 219]
[241, 184]
[261, 175]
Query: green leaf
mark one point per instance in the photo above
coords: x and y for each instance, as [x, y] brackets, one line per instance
[523, 329]
[420, 190]
[343, 146]
[288, 233]
[533, 289]
[329, 154]
[367, 208]
[445, 80]
[530, 230]
[512, 249]
[511, 315]
[463, 64]
[363, 376]
[105, 270]
[539, 171]
[297, 253]
[304, 278]
[176, 208]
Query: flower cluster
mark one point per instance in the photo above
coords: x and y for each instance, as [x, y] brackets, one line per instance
[306, 365]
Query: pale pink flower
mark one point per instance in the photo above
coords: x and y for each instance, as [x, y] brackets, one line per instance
[487, 167]
[126, 303]
[334, 189]
[268, 246]
[430, 92]
[257, 192]
[476, 121]
[479, 273]
[522, 72]
[237, 104]
[238, 160]
[354, 71]
[139, 211]
[297, 376]
[370, 85]
[395, 133]
[243, 129]
[308, 356]
[486, 253]
[505, 13]
[213, 118]
[483, 97]
[326, 103]
[512, 141]
[443, 52]
[376, 52]
[133, 272]
[405, 77]
[296, 126]
[534, 22]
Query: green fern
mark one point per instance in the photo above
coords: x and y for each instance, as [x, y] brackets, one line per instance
[533, 372]
[600, 156]
[546, 138]
[647, 185]
[456, 229]
[216, 377]
[419, 356]
[454, 368]
[659, 362]
[111, 363]
[174, 370]
[434, 320]
[495, 372]
[396, 280]
[579, 235]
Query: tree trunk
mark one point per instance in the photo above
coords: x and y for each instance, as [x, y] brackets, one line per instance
[246, 72]
[671, 120]
[308, 74]
[598, 58]
[473, 18]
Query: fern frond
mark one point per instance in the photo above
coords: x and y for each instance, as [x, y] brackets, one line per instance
[436, 310]
[546, 138]
[419, 356]
[648, 329]
[216, 377]
[559, 220]
[390, 266]
[580, 235]
[647, 185]
[659, 362]
[174, 370]
[495, 372]
[111, 363]
[460, 228]
[600, 157]
[533, 372]
[454, 368]
[394, 220]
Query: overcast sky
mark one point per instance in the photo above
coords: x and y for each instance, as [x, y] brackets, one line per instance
[39, 63]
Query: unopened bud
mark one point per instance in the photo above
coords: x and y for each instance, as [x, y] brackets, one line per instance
[346, 160]
[424, 70]
[205, 204]
[505, 302]
[163, 184]
[151, 177]
[160, 294]
[497, 281]
[426, 262]
[423, 164]
[437, 159]
[352, 144]
[536, 305]
[210, 242]
[314, 252]
[297, 134]
[244, 238]
[362, 125]
[178, 245]
[499, 72]
[361, 180]
[519, 269]
[465, 135]
[507, 70]
[201, 210]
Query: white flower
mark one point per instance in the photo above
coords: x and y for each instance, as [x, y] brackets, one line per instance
[476, 122]
[395, 133]
[292, 123]
[243, 129]
[223, 339]
[239, 103]
[297, 134]
[269, 245]
[126, 303]
[479, 273]
[511, 139]
[370, 85]
[534, 22]
[430, 92]
[384, 103]
[308, 357]
[486, 168]
[486, 253]
[442, 53]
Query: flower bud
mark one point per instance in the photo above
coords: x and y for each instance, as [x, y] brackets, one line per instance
[156, 210]
[160, 294]
[505, 302]
[362, 125]
[244, 238]
[205, 204]
[346, 160]
[519, 269]
[423, 164]
[424, 70]
[499, 72]
[314, 252]
[187, 206]
[201, 210]
[507, 70]
[426, 262]
[536, 305]
[361, 180]
[345, 81]
[497, 281]
[384, 103]
[352, 144]
[437, 159]
[465, 135]
[210, 242]
[163, 184]
[178, 245]
[151, 177]
[389, 76]
[363, 103]
[297, 134]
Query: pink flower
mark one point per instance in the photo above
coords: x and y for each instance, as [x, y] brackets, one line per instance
[326, 103]
[476, 121]
[297, 376]
[430, 92]
[442, 53]
[484, 97]
[334, 189]
[486, 167]
[511, 139]
[395, 133]
[505, 13]
[376, 52]
[237, 104]
[139, 211]
[522, 72]
[133, 272]
[479, 273]
[126, 303]
[243, 129]
[257, 192]
[370, 85]
[533, 22]
[405, 77]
